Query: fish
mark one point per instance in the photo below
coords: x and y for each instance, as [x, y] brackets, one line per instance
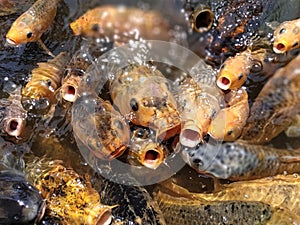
[12, 117]
[135, 204]
[272, 200]
[241, 161]
[199, 102]
[287, 36]
[69, 196]
[46, 79]
[121, 24]
[144, 150]
[20, 201]
[73, 73]
[30, 26]
[151, 106]
[275, 106]
[229, 122]
[234, 71]
[101, 129]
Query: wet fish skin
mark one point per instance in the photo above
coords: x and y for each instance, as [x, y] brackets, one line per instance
[20, 202]
[242, 161]
[121, 24]
[276, 105]
[100, 128]
[287, 36]
[152, 106]
[30, 26]
[46, 79]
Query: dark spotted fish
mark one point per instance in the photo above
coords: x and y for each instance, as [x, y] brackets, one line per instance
[135, 205]
[242, 161]
[272, 200]
[275, 106]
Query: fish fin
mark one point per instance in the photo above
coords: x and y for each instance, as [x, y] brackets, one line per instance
[273, 25]
[289, 159]
[45, 48]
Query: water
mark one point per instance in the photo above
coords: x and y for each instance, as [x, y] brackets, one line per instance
[54, 136]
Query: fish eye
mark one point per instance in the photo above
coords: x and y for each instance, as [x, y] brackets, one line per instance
[48, 82]
[295, 44]
[141, 133]
[119, 124]
[134, 105]
[95, 27]
[29, 34]
[282, 31]
[230, 132]
[240, 76]
[222, 66]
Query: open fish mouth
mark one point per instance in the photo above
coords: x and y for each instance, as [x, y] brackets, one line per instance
[10, 42]
[14, 126]
[69, 93]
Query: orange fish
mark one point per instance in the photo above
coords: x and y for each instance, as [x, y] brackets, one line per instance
[287, 36]
[234, 71]
[30, 26]
[229, 122]
[46, 78]
[118, 23]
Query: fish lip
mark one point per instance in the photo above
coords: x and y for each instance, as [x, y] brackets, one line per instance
[66, 95]
[276, 50]
[221, 85]
[18, 130]
[10, 42]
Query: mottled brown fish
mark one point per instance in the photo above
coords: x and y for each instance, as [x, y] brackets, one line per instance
[100, 128]
[30, 26]
[12, 117]
[144, 150]
[275, 106]
[287, 36]
[69, 196]
[120, 24]
[72, 76]
[229, 122]
[46, 78]
[8, 7]
[142, 95]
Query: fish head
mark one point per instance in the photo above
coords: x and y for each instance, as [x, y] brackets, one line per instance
[20, 33]
[20, 202]
[41, 88]
[285, 37]
[12, 118]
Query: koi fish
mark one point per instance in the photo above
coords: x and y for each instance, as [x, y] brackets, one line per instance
[276, 105]
[234, 71]
[100, 128]
[73, 73]
[69, 196]
[144, 150]
[118, 23]
[242, 161]
[199, 103]
[30, 26]
[287, 36]
[227, 125]
[46, 78]
[152, 105]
